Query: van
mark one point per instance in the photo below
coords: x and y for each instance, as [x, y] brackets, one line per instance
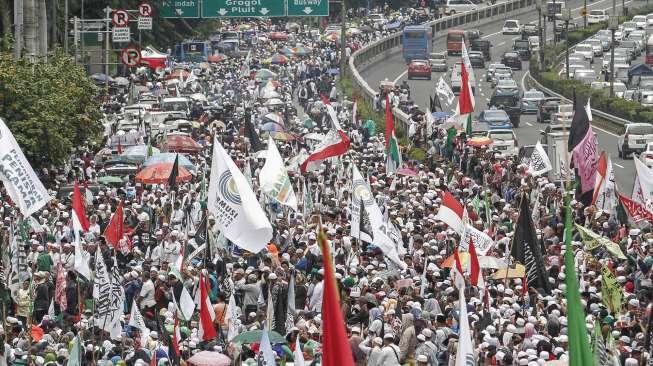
[459, 6]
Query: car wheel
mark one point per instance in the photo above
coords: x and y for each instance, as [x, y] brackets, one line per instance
[429, 77]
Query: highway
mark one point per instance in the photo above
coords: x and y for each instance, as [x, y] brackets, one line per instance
[393, 68]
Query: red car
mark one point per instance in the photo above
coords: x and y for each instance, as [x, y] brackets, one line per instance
[278, 36]
[419, 68]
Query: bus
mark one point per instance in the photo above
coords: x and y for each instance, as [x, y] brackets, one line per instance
[455, 39]
[192, 51]
[416, 42]
[649, 51]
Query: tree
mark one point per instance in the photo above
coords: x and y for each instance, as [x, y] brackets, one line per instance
[50, 107]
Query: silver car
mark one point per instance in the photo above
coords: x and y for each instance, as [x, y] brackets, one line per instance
[438, 61]
[634, 139]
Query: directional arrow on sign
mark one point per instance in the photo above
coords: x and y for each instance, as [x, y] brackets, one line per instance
[264, 11]
[307, 10]
[179, 12]
[222, 11]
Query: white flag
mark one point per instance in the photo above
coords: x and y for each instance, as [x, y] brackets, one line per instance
[482, 241]
[361, 193]
[266, 348]
[539, 162]
[274, 180]
[136, 320]
[232, 318]
[290, 309]
[643, 186]
[465, 353]
[82, 257]
[186, 304]
[109, 297]
[443, 90]
[18, 177]
[234, 204]
[298, 356]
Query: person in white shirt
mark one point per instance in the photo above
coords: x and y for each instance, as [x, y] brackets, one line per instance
[315, 303]
[146, 296]
[389, 352]
[172, 248]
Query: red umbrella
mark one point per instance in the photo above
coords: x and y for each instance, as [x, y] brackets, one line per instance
[407, 172]
[479, 141]
[208, 358]
[216, 58]
[160, 173]
[182, 144]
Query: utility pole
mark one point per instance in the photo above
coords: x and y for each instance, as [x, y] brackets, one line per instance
[567, 17]
[555, 11]
[30, 24]
[18, 29]
[54, 38]
[107, 15]
[343, 39]
[65, 27]
[613, 25]
[585, 14]
[538, 5]
[42, 26]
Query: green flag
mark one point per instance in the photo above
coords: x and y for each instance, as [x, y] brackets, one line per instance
[610, 290]
[593, 240]
[468, 126]
[476, 202]
[579, 350]
[394, 160]
[451, 135]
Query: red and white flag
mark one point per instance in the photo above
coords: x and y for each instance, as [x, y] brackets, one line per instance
[636, 211]
[334, 144]
[604, 197]
[176, 337]
[207, 330]
[79, 213]
[451, 212]
[474, 266]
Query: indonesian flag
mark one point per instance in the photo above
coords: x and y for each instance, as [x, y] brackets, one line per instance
[206, 331]
[78, 208]
[394, 161]
[116, 228]
[457, 271]
[176, 337]
[637, 211]
[474, 266]
[466, 97]
[451, 212]
[603, 196]
[334, 144]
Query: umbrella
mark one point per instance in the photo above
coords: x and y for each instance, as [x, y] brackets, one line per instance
[217, 58]
[101, 78]
[269, 94]
[254, 336]
[160, 173]
[407, 172]
[278, 59]
[109, 180]
[121, 81]
[272, 127]
[208, 358]
[451, 260]
[273, 117]
[264, 75]
[478, 141]
[287, 51]
[440, 115]
[138, 152]
[170, 158]
[301, 50]
[273, 102]
[308, 123]
[282, 136]
[517, 272]
[182, 144]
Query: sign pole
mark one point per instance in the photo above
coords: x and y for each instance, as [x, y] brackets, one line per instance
[107, 11]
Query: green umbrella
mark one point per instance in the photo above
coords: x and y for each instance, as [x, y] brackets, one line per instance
[110, 179]
[254, 336]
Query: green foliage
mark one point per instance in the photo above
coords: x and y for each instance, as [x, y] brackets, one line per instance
[50, 107]
[417, 153]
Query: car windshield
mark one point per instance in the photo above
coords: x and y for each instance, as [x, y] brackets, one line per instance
[565, 108]
[510, 55]
[596, 12]
[495, 115]
[510, 24]
[506, 83]
[521, 44]
[641, 129]
[628, 25]
[502, 136]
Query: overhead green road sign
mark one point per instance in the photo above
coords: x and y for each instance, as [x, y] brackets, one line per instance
[243, 8]
[308, 8]
[180, 9]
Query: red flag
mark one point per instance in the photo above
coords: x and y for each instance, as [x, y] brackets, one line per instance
[451, 212]
[336, 350]
[116, 228]
[60, 288]
[459, 265]
[175, 338]
[602, 171]
[465, 103]
[524, 283]
[78, 207]
[637, 211]
[207, 331]
[37, 333]
[119, 148]
[334, 144]
[389, 121]
[474, 266]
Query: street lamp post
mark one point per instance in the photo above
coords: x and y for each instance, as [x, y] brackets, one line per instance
[343, 39]
[613, 24]
[567, 18]
[554, 22]
[538, 5]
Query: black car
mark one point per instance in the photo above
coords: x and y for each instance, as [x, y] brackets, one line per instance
[482, 45]
[512, 60]
[523, 48]
[529, 29]
[473, 34]
[477, 60]
[509, 102]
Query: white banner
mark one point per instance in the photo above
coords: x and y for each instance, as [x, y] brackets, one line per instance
[539, 162]
[482, 242]
[136, 320]
[443, 90]
[18, 177]
[274, 180]
[234, 204]
[109, 297]
[643, 186]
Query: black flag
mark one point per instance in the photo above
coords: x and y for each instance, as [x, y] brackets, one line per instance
[526, 249]
[252, 135]
[365, 225]
[174, 173]
[201, 232]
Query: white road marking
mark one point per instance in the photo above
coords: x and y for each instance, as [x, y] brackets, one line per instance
[529, 124]
[400, 76]
[487, 99]
[501, 44]
[619, 165]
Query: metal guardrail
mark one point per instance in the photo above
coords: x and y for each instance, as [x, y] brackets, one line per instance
[481, 16]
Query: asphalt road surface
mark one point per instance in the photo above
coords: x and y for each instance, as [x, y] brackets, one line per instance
[394, 68]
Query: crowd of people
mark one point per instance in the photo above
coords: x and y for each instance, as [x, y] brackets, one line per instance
[394, 314]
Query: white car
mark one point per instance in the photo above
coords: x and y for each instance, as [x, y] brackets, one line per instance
[511, 26]
[504, 142]
[640, 21]
[597, 45]
[597, 16]
[647, 155]
[586, 50]
[459, 6]
[649, 20]
[636, 138]
[628, 27]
